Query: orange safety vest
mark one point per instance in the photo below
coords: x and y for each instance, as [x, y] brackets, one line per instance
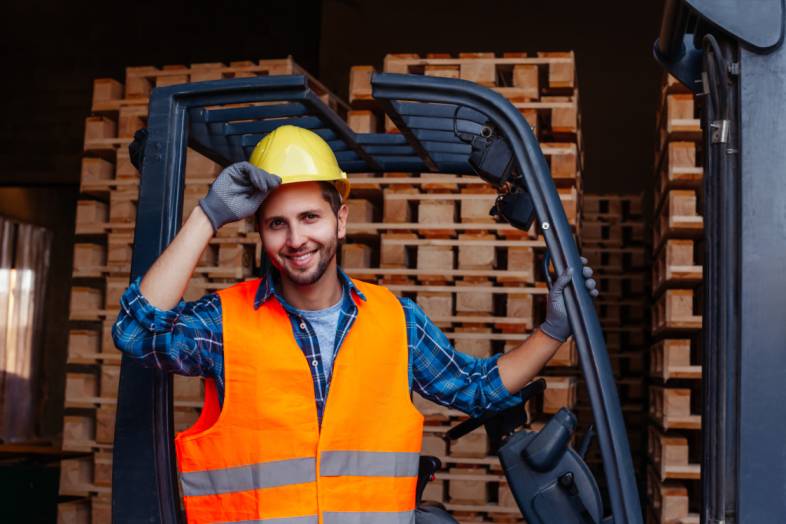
[263, 457]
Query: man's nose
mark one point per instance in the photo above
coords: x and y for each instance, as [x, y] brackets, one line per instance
[295, 238]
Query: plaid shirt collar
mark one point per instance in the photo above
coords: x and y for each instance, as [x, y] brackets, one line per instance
[267, 287]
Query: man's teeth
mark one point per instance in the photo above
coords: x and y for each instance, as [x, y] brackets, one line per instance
[303, 257]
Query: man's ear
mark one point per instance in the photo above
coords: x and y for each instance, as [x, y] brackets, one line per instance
[342, 216]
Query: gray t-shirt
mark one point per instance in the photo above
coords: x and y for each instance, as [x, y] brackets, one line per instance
[325, 324]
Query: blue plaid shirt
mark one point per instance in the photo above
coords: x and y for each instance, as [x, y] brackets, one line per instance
[188, 340]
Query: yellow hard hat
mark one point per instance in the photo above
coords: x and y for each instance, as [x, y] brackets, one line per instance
[299, 155]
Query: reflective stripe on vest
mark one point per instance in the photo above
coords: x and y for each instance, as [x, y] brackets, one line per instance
[245, 478]
[369, 463]
[311, 519]
[368, 517]
[403, 517]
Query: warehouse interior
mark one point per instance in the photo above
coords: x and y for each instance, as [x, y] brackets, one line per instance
[55, 52]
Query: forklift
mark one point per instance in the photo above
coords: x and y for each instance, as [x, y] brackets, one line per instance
[729, 53]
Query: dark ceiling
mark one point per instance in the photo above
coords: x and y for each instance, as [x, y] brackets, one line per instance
[54, 50]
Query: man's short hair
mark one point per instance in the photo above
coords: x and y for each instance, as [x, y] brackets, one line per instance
[331, 195]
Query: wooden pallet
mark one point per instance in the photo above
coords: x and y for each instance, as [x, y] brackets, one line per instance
[676, 279]
[512, 69]
[111, 96]
[542, 88]
[612, 208]
[620, 234]
[608, 260]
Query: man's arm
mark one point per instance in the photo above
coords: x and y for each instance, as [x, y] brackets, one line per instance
[449, 377]
[519, 366]
[155, 326]
[166, 280]
[476, 385]
[186, 339]
[237, 193]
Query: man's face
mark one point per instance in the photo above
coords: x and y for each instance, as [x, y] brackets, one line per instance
[300, 232]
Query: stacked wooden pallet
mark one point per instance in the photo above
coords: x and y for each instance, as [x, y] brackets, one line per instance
[675, 356]
[430, 237]
[105, 222]
[615, 242]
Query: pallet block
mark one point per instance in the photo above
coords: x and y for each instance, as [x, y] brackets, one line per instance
[679, 120]
[87, 303]
[477, 347]
[360, 85]
[474, 256]
[675, 265]
[96, 170]
[669, 455]
[99, 130]
[74, 512]
[671, 408]
[122, 206]
[519, 310]
[393, 253]
[680, 168]
[474, 302]
[437, 305]
[433, 261]
[356, 256]
[79, 432]
[467, 485]
[669, 501]
[560, 392]
[84, 346]
[677, 218]
[674, 311]
[90, 216]
[476, 210]
[472, 445]
[671, 359]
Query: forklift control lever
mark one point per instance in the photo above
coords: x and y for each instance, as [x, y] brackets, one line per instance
[548, 446]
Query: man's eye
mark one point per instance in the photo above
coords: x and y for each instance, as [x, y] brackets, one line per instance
[276, 223]
[312, 216]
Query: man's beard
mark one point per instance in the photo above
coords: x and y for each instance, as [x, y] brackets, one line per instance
[326, 252]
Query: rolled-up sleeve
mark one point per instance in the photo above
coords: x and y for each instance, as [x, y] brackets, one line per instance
[449, 377]
[186, 339]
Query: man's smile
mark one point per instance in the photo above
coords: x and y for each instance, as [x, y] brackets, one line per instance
[301, 260]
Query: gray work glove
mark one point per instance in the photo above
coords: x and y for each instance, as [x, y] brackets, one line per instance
[237, 193]
[556, 325]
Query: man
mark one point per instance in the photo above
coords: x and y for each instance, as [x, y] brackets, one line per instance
[308, 414]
